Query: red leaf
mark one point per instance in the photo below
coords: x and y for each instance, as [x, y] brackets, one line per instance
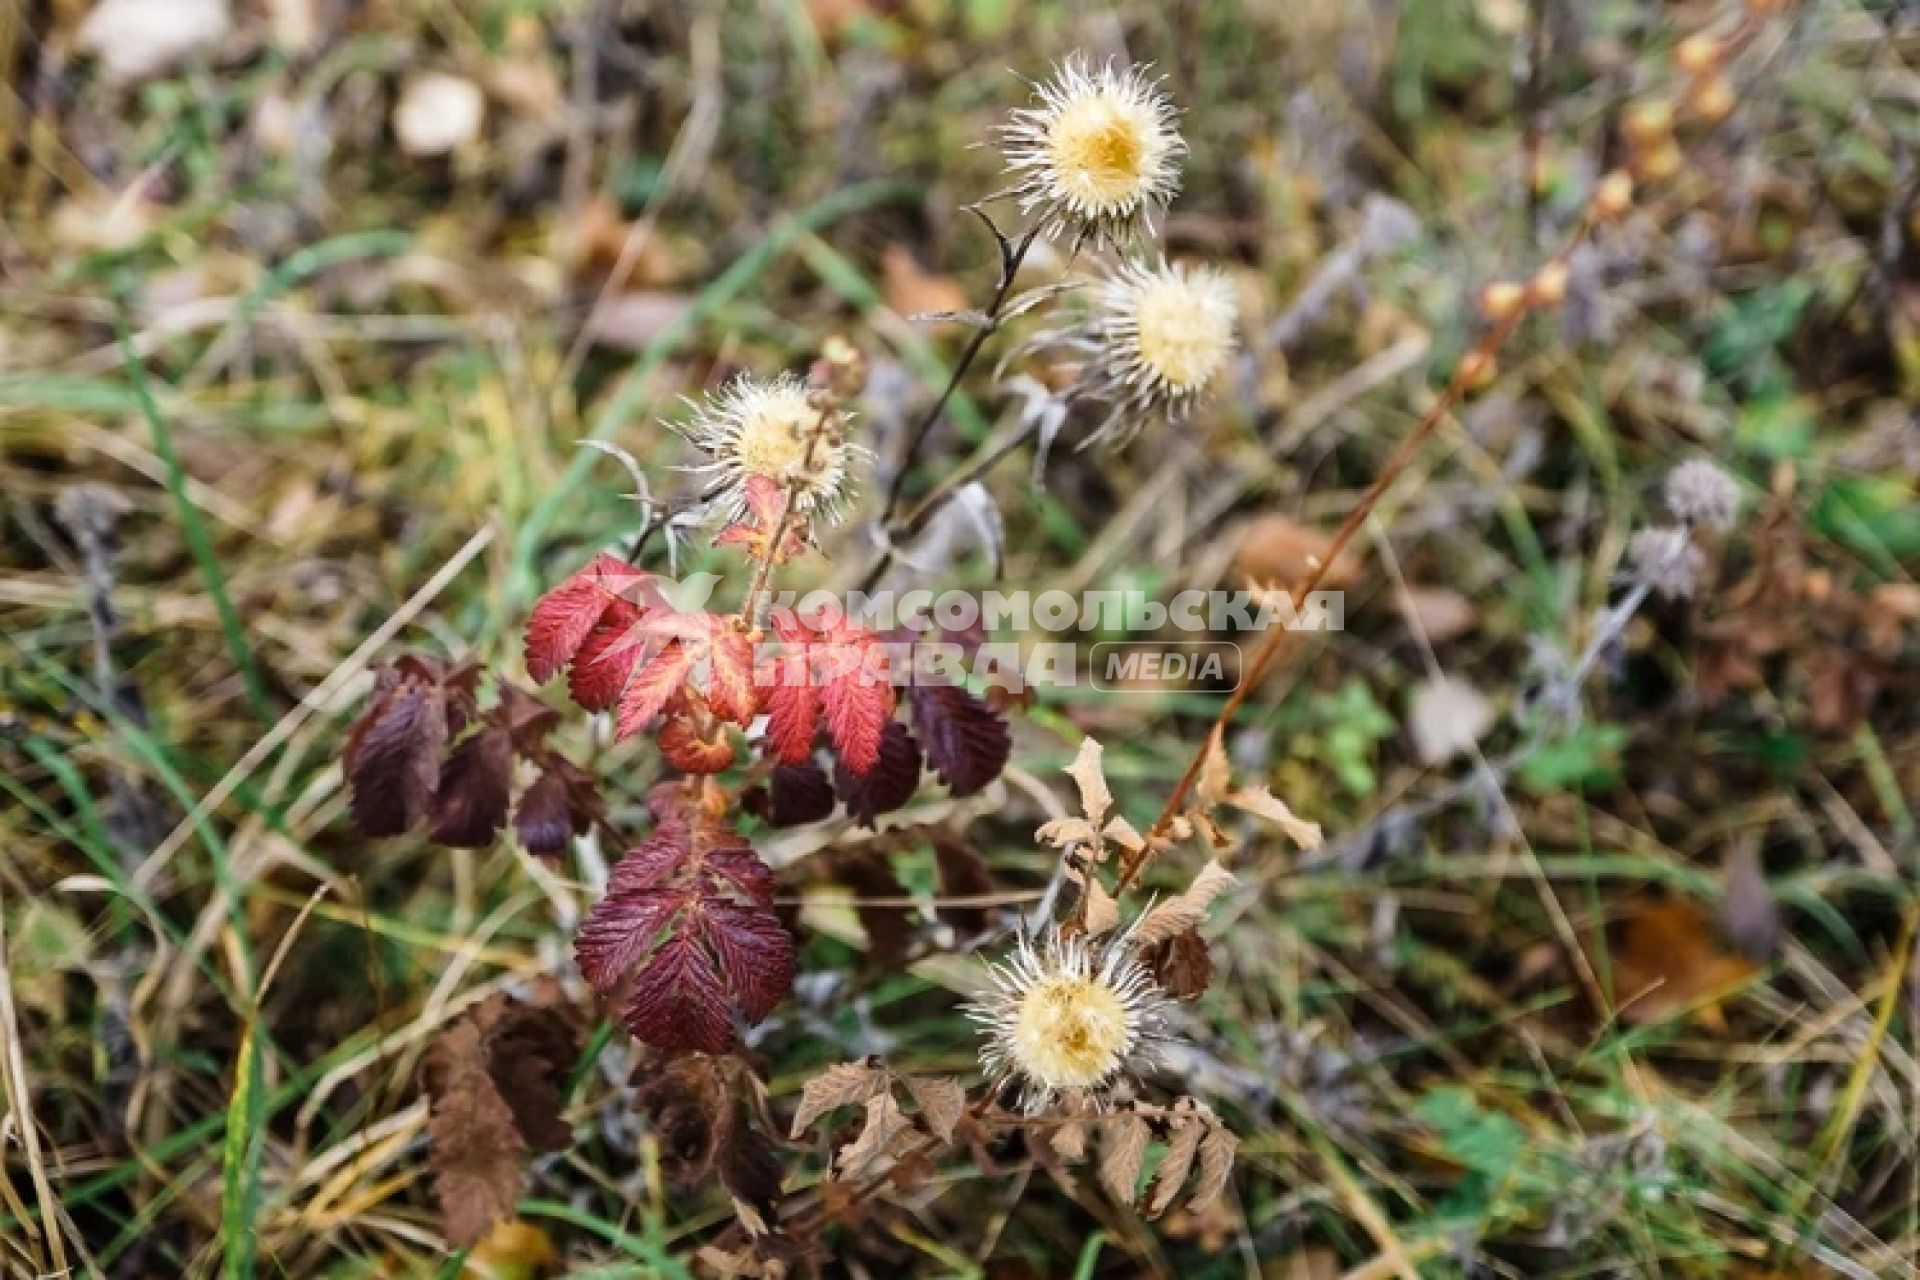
[686, 935]
[649, 691]
[765, 503]
[564, 616]
[605, 659]
[730, 686]
[889, 783]
[470, 806]
[966, 743]
[684, 746]
[793, 715]
[859, 701]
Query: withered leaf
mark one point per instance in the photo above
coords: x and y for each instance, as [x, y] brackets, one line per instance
[1086, 773]
[942, 1102]
[1123, 1149]
[392, 753]
[470, 804]
[1182, 965]
[1182, 1146]
[841, 1085]
[494, 1080]
[1187, 911]
[867, 1154]
[1216, 1166]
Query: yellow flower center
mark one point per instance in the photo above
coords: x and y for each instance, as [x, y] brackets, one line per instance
[1104, 149]
[1185, 330]
[773, 442]
[1070, 1032]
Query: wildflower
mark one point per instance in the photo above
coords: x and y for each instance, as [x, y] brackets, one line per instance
[1156, 341]
[1700, 493]
[773, 429]
[1666, 560]
[1071, 1014]
[1098, 155]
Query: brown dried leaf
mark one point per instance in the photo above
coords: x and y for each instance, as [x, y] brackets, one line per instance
[1216, 1166]
[1264, 804]
[942, 1101]
[1668, 961]
[1186, 912]
[1188, 1129]
[1095, 799]
[493, 1082]
[841, 1085]
[1215, 772]
[1182, 965]
[867, 1154]
[1123, 1149]
[1121, 832]
[1069, 1141]
[1102, 913]
[1063, 833]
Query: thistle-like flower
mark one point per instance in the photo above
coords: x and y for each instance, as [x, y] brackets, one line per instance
[1098, 155]
[1701, 493]
[1156, 340]
[773, 429]
[1666, 560]
[1069, 1015]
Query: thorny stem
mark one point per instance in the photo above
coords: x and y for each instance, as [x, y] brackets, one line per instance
[1465, 372]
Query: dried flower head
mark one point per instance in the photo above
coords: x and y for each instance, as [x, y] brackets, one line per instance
[1155, 342]
[1666, 560]
[1098, 156]
[1700, 493]
[1070, 1014]
[773, 429]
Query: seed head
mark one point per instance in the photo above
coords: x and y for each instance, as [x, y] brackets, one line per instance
[1666, 560]
[1097, 155]
[1700, 493]
[1156, 341]
[773, 429]
[1068, 1015]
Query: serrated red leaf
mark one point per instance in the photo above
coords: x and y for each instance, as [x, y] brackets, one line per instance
[888, 783]
[648, 692]
[793, 713]
[605, 660]
[562, 618]
[730, 685]
[966, 743]
[476, 783]
[686, 935]
[858, 698]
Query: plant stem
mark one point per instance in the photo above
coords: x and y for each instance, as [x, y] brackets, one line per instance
[1012, 254]
[1469, 368]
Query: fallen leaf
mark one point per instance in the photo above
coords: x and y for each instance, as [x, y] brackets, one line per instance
[911, 290]
[1278, 548]
[1447, 718]
[1668, 960]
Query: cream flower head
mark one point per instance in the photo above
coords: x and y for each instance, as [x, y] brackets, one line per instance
[1069, 1015]
[1156, 341]
[773, 429]
[1098, 155]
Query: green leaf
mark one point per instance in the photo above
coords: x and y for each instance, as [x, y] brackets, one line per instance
[1589, 756]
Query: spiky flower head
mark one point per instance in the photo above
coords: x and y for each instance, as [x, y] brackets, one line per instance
[1098, 155]
[1666, 560]
[775, 428]
[1069, 1014]
[1701, 493]
[1157, 339]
